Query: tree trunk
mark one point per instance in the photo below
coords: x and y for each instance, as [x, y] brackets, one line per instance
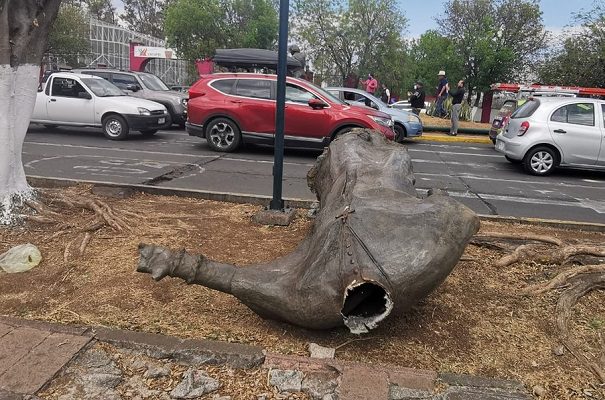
[24, 27]
[376, 248]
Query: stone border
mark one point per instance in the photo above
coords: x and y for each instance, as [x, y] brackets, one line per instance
[155, 345]
[452, 139]
[258, 200]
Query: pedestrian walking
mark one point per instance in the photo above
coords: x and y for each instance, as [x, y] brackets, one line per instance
[457, 97]
[441, 95]
[386, 94]
[417, 98]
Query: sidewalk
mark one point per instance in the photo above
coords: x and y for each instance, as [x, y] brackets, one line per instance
[50, 361]
[460, 138]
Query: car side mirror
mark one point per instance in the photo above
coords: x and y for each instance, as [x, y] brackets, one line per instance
[317, 104]
[132, 87]
[84, 95]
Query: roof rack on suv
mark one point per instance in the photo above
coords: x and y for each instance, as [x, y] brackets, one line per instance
[577, 90]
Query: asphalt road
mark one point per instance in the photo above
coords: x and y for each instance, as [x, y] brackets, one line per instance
[474, 174]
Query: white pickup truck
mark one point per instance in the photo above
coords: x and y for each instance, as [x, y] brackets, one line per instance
[84, 100]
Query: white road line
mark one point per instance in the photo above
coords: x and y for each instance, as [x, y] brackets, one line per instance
[109, 149]
[487, 178]
[598, 207]
[74, 146]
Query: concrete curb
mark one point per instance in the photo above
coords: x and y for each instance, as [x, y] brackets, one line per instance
[453, 139]
[239, 198]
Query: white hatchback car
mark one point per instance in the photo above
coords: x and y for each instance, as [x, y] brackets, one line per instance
[84, 100]
[547, 132]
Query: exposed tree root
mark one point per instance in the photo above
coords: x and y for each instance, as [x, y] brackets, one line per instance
[527, 237]
[104, 216]
[562, 279]
[577, 281]
[580, 285]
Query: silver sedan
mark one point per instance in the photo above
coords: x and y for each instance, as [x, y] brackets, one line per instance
[546, 133]
[407, 124]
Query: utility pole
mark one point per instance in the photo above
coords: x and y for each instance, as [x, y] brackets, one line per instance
[277, 203]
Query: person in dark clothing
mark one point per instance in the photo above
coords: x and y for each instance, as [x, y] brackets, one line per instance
[417, 98]
[441, 95]
[386, 94]
[457, 97]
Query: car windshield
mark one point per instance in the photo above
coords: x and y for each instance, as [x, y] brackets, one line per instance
[152, 82]
[527, 109]
[102, 88]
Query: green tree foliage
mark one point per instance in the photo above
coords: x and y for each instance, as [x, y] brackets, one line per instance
[198, 27]
[354, 36]
[581, 59]
[69, 35]
[145, 16]
[494, 38]
[431, 53]
[102, 10]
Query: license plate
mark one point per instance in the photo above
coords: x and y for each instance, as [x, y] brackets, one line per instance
[500, 145]
[161, 120]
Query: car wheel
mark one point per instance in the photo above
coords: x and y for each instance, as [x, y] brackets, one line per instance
[399, 133]
[149, 132]
[115, 127]
[223, 135]
[512, 160]
[540, 161]
[50, 126]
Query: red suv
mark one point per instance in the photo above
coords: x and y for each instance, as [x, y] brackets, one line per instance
[231, 109]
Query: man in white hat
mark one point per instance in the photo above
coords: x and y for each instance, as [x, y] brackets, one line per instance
[441, 95]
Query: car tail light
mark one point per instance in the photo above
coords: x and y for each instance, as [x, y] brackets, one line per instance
[523, 128]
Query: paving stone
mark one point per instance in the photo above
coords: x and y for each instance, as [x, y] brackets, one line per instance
[364, 383]
[475, 393]
[401, 393]
[188, 351]
[16, 344]
[318, 351]
[44, 326]
[286, 380]
[6, 395]
[412, 378]
[4, 329]
[194, 384]
[318, 385]
[30, 373]
[479, 381]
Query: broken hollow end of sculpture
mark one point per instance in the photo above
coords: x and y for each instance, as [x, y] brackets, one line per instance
[374, 250]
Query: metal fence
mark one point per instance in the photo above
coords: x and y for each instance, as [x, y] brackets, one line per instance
[110, 48]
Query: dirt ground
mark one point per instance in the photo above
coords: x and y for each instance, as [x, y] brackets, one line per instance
[427, 120]
[476, 322]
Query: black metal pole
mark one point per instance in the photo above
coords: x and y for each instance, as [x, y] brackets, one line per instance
[278, 164]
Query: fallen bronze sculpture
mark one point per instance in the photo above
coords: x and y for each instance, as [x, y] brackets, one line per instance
[374, 250]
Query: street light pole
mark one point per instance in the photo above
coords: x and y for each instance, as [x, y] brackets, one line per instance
[277, 202]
